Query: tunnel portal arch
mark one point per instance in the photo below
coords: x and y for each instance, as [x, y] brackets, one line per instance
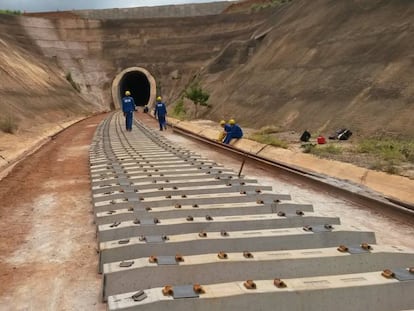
[139, 82]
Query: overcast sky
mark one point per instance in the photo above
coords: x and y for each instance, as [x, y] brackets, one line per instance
[64, 5]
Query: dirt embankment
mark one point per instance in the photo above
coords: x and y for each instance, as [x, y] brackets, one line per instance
[321, 65]
[317, 65]
[37, 100]
[48, 258]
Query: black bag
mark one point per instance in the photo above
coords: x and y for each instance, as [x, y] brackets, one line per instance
[344, 135]
[305, 136]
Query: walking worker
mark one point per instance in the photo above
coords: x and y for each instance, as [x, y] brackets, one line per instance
[235, 132]
[160, 112]
[128, 107]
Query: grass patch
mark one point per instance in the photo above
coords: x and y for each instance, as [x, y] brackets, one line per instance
[388, 150]
[308, 147]
[388, 153]
[8, 12]
[322, 150]
[8, 125]
[270, 129]
[269, 140]
[179, 110]
[385, 166]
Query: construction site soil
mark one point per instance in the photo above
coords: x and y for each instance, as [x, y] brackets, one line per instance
[49, 252]
[317, 65]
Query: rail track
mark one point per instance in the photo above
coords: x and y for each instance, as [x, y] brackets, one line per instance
[178, 231]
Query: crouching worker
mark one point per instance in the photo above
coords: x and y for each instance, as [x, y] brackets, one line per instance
[225, 129]
[128, 107]
[235, 132]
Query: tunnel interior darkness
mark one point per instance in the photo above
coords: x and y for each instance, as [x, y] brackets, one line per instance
[137, 83]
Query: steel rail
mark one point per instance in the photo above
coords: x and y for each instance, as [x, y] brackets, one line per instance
[318, 181]
[167, 215]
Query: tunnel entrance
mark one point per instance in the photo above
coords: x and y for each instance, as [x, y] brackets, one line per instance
[139, 82]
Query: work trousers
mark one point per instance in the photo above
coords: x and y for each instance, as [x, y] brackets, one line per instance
[162, 122]
[128, 120]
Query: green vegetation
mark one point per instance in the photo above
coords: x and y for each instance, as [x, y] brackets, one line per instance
[73, 83]
[8, 12]
[388, 166]
[179, 111]
[268, 140]
[264, 136]
[270, 129]
[389, 153]
[8, 124]
[308, 147]
[388, 149]
[199, 98]
[323, 150]
[383, 154]
[268, 4]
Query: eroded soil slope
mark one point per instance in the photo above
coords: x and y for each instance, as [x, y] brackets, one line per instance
[321, 65]
[35, 94]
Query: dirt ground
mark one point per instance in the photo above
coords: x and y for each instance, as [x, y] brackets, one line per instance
[346, 147]
[348, 155]
[48, 253]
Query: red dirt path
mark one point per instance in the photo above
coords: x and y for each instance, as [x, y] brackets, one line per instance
[48, 258]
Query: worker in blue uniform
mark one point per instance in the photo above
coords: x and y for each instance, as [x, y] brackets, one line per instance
[234, 132]
[128, 107]
[160, 112]
[226, 128]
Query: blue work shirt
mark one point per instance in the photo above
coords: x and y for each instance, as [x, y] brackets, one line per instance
[236, 131]
[160, 109]
[227, 128]
[128, 104]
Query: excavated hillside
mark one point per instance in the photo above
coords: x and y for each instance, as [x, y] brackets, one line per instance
[60, 67]
[317, 65]
[36, 98]
[322, 65]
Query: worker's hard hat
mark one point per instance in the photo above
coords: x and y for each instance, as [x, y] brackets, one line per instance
[222, 122]
[127, 93]
[232, 122]
[159, 98]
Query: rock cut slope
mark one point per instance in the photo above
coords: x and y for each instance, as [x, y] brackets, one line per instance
[36, 98]
[317, 65]
[321, 65]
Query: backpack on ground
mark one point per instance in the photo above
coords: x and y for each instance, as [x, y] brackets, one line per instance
[305, 136]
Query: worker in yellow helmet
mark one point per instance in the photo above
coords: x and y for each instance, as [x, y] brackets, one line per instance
[234, 132]
[225, 127]
[128, 107]
[160, 112]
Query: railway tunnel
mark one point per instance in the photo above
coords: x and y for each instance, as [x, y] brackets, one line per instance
[139, 82]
